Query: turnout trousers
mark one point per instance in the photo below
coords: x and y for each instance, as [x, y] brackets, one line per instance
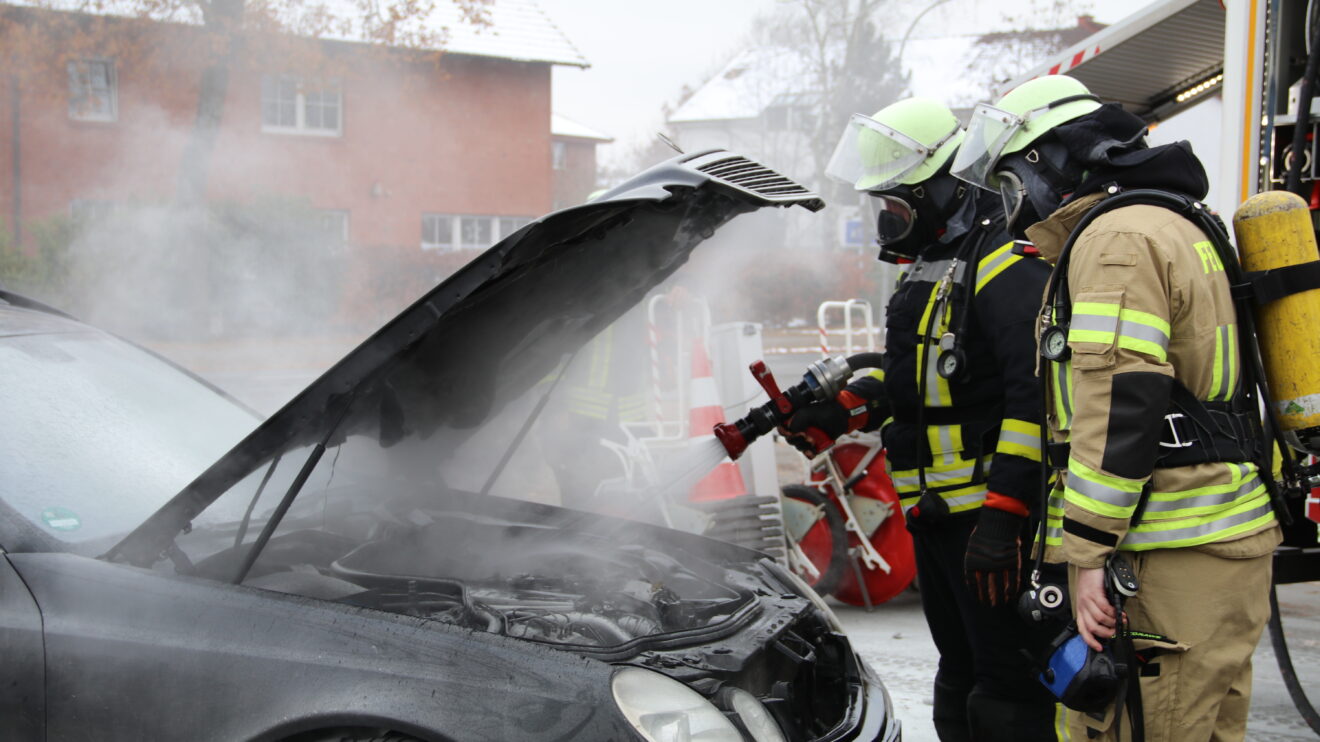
[986, 690]
[1196, 687]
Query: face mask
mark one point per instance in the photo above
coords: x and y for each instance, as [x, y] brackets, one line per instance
[1034, 183]
[908, 218]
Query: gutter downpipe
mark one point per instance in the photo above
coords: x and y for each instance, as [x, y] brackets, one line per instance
[16, 160]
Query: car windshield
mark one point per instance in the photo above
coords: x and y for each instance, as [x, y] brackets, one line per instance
[98, 434]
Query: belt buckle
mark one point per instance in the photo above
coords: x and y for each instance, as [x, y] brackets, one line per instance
[1178, 441]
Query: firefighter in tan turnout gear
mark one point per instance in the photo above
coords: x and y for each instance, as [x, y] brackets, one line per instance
[1147, 395]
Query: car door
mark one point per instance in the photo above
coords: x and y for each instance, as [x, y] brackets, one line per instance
[22, 673]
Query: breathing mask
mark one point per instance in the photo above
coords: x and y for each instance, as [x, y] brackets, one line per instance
[907, 218]
[1034, 182]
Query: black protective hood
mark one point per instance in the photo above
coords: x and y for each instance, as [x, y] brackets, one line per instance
[1111, 144]
[499, 325]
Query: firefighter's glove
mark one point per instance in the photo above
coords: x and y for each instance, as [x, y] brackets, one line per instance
[993, 563]
[814, 428]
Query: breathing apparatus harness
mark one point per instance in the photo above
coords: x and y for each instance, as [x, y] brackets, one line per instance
[953, 292]
[1196, 432]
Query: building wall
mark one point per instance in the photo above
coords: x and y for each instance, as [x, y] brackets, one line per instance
[466, 135]
[575, 175]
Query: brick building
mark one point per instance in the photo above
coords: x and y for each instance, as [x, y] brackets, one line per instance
[573, 159]
[398, 149]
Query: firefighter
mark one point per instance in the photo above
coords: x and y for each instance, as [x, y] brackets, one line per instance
[958, 382]
[1151, 349]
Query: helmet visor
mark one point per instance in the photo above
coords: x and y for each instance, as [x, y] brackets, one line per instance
[872, 156]
[988, 133]
[890, 217]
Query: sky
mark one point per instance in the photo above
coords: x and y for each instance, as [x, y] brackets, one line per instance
[643, 53]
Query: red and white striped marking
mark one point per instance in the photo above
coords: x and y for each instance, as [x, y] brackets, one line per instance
[653, 341]
[824, 342]
[1066, 64]
[704, 413]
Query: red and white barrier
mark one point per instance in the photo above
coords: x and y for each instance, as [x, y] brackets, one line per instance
[704, 413]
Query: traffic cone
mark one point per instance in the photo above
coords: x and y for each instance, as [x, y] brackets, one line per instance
[704, 413]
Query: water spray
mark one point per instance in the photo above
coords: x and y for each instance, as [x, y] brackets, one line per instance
[823, 380]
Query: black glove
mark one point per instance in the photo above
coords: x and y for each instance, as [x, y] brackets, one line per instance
[993, 564]
[813, 428]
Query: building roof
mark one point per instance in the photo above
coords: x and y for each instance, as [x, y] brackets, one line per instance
[518, 29]
[745, 87]
[568, 128]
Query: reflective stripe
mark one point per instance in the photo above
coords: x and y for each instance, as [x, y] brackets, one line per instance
[1061, 379]
[879, 373]
[1204, 500]
[1165, 534]
[945, 441]
[1102, 494]
[1097, 322]
[994, 264]
[958, 500]
[937, 387]
[1019, 438]
[931, 271]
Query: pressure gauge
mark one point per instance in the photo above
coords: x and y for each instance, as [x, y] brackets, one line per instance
[951, 363]
[1054, 344]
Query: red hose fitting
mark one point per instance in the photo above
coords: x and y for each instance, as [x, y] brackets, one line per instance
[732, 440]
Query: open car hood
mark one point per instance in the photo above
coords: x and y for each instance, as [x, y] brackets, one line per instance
[498, 325]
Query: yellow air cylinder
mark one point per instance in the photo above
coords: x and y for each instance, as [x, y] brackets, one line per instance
[1274, 230]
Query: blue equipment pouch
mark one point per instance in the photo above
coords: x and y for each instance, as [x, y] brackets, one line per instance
[1081, 678]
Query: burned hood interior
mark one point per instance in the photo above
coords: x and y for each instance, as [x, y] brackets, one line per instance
[506, 321]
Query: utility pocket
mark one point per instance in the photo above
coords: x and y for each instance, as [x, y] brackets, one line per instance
[1159, 664]
[1093, 329]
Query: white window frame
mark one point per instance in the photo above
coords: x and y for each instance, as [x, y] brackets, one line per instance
[300, 126]
[499, 226]
[112, 80]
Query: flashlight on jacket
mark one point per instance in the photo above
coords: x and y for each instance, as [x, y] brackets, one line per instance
[823, 380]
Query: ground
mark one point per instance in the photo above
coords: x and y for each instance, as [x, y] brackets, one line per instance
[893, 638]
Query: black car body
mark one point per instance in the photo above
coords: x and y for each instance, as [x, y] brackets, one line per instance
[286, 594]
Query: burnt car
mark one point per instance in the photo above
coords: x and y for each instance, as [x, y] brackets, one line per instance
[349, 568]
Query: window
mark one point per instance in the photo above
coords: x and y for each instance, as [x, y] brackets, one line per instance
[293, 105]
[92, 90]
[450, 231]
[86, 211]
[437, 232]
[558, 150]
[333, 223]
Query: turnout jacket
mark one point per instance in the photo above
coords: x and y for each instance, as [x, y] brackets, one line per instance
[1150, 304]
[981, 432]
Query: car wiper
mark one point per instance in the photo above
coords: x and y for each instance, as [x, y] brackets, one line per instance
[283, 507]
[247, 514]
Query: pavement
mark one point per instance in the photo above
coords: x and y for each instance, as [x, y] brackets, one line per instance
[893, 637]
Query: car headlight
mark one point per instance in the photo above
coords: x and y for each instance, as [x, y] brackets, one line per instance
[801, 587]
[662, 709]
[754, 716]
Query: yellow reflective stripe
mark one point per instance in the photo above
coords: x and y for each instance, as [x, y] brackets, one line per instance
[1098, 322]
[1102, 494]
[1230, 359]
[937, 387]
[1019, 438]
[994, 264]
[1217, 370]
[1061, 733]
[1244, 483]
[958, 500]
[879, 373]
[1059, 381]
[1209, 258]
[1167, 534]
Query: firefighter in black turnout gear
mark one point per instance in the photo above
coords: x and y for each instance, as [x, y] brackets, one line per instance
[960, 409]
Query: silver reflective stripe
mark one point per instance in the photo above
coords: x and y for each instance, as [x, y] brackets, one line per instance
[968, 499]
[933, 270]
[1102, 492]
[1138, 331]
[948, 457]
[1094, 322]
[1201, 501]
[1022, 439]
[1139, 538]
